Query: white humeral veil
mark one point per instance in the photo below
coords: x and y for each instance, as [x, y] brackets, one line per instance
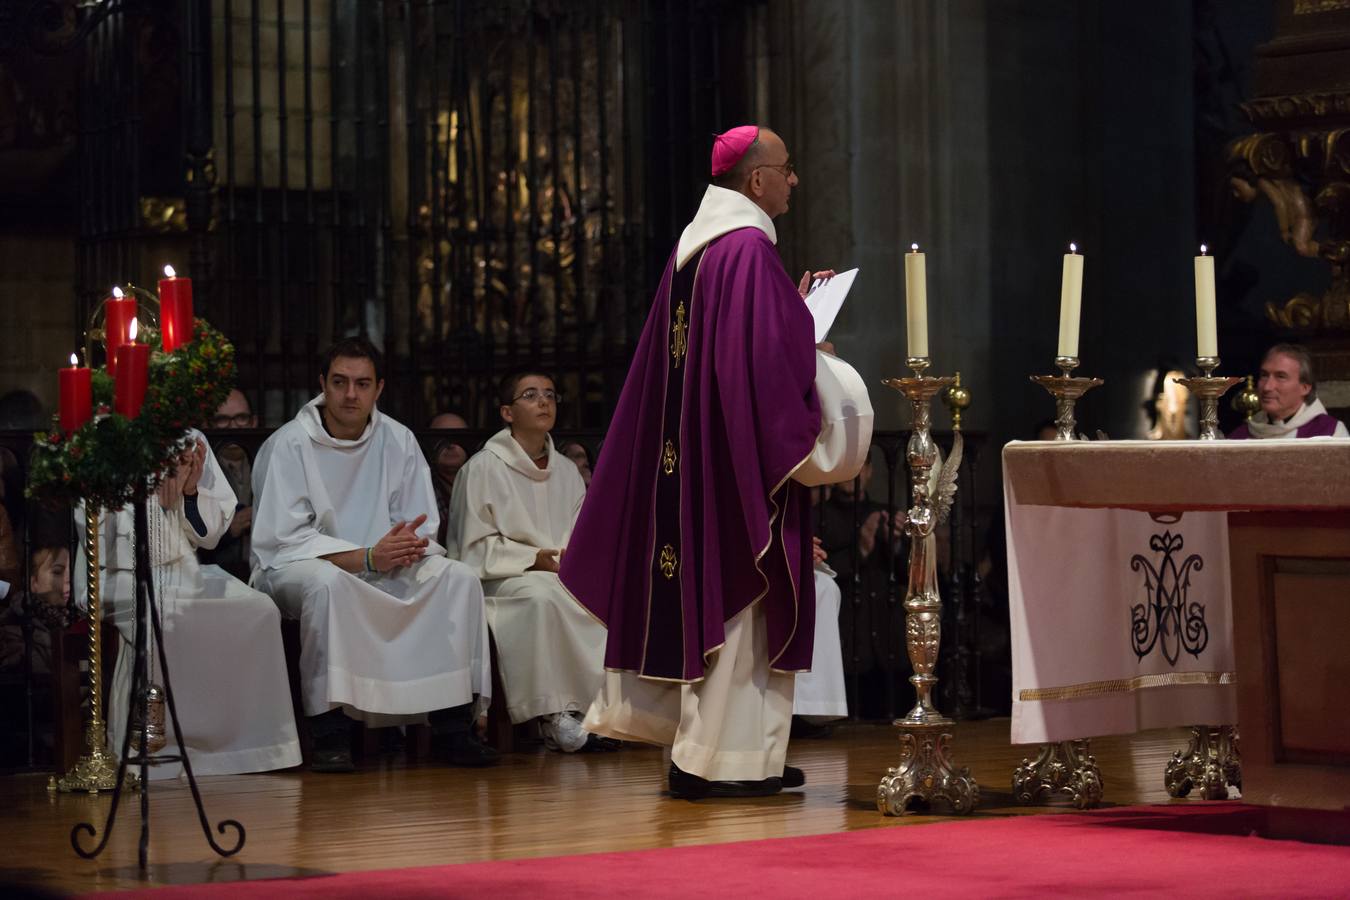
[504, 510]
[386, 648]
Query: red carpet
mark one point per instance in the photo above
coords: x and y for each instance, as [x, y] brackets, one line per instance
[1196, 850]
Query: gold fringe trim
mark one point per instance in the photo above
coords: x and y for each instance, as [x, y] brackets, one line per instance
[1127, 685]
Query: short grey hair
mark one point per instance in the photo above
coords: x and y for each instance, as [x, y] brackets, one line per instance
[1305, 367]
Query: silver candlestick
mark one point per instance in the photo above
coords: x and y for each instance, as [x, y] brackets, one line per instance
[1064, 767]
[925, 773]
[1066, 390]
[1209, 388]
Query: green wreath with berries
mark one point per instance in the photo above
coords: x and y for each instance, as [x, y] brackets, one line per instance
[112, 460]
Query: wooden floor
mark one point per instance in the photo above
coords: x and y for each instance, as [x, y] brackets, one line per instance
[536, 803]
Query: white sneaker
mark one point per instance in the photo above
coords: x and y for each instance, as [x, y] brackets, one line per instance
[562, 731]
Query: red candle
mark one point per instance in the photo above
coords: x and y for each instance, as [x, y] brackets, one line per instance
[118, 313]
[175, 310]
[133, 373]
[76, 395]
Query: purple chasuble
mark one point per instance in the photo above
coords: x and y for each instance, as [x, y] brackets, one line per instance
[1323, 425]
[692, 515]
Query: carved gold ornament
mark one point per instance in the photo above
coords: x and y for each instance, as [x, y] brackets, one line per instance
[668, 459]
[679, 336]
[668, 561]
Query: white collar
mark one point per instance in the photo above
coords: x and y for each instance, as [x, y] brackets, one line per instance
[1261, 425]
[506, 448]
[721, 211]
[311, 419]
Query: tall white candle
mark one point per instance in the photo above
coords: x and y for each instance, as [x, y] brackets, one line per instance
[1070, 302]
[916, 303]
[1206, 324]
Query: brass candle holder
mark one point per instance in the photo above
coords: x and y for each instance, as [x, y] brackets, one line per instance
[96, 770]
[925, 772]
[1066, 390]
[1209, 388]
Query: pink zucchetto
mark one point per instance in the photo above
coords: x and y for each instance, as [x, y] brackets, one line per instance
[730, 146]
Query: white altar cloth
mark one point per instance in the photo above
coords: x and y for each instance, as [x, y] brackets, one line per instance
[1111, 633]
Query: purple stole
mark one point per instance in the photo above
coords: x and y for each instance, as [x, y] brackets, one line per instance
[1322, 425]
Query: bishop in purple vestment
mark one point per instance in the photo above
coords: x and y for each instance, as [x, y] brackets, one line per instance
[693, 546]
[1289, 405]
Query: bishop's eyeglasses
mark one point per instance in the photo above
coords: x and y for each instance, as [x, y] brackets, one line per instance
[787, 168]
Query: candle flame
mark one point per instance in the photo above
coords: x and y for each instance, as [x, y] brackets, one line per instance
[1203, 248]
[1073, 248]
[117, 292]
[131, 332]
[913, 248]
[168, 272]
[74, 360]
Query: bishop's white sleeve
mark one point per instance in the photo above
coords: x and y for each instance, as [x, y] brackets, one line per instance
[478, 536]
[283, 517]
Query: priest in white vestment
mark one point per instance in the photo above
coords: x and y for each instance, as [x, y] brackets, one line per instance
[513, 508]
[392, 631]
[222, 639]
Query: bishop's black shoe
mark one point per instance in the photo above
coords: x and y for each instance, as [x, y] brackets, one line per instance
[793, 777]
[684, 786]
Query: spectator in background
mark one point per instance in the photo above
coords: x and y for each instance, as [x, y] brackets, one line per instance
[447, 458]
[231, 552]
[21, 411]
[578, 454]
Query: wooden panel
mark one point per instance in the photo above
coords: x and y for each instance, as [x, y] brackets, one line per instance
[1308, 554]
[1312, 627]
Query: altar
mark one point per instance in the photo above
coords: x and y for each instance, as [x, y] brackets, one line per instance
[1191, 583]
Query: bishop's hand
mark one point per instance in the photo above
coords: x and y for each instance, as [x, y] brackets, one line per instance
[809, 278]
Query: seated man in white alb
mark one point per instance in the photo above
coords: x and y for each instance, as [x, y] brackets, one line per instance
[391, 631]
[513, 508]
[1289, 405]
[222, 639]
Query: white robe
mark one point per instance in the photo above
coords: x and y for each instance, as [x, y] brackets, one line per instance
[820, 692]
[227, 666]
[1262, 428]
[503, 511]
[387, 648]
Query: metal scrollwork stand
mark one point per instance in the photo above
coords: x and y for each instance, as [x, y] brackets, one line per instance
[1209, 388]
[925, 772]
[1064, 767]
[1211, 762]
[142, 755]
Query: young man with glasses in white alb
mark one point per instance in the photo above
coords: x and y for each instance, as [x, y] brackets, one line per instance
[513, 507]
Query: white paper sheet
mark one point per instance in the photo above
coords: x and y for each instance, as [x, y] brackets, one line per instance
[827, 298]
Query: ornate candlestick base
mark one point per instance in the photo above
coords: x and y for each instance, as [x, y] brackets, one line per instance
[1211, 763]
[1063, 768]
[1209, 388]
[1066, 390]
[925, 773]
